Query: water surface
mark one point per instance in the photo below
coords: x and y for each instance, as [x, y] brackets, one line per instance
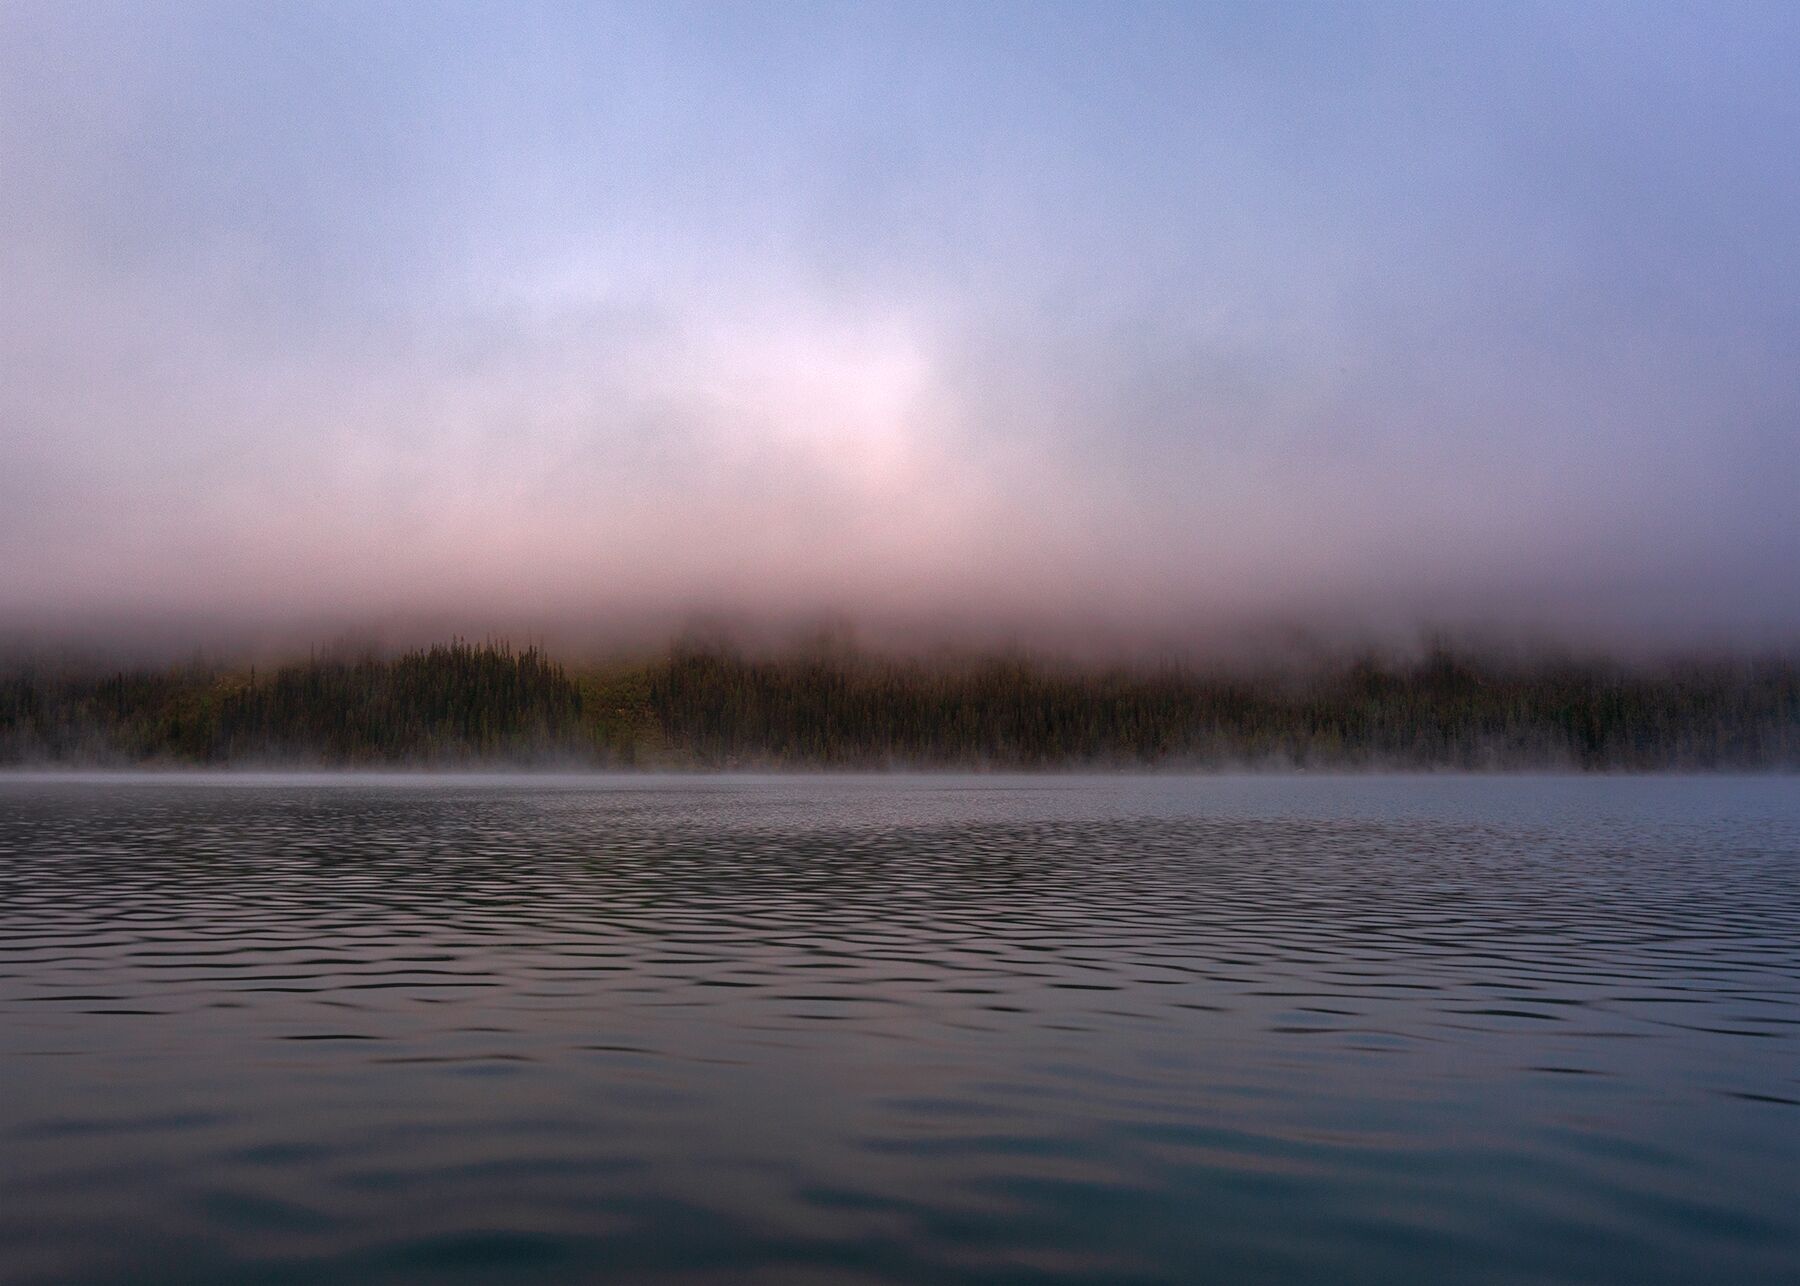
[932, 1030]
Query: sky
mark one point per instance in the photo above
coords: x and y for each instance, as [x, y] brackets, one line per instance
[1048, 321]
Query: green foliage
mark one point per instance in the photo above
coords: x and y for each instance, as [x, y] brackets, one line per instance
[711, 707]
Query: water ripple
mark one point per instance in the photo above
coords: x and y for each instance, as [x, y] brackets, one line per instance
[900, 1029]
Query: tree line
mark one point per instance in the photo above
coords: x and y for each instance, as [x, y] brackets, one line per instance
[709, 707]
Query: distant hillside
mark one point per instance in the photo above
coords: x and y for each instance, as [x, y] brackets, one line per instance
[699, 707]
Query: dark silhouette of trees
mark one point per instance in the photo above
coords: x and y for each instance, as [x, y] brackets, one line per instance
[465, 703]
[455, 702]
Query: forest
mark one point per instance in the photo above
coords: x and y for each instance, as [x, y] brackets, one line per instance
[707, 707]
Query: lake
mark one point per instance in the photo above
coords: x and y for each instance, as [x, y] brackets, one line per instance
[900, 1029]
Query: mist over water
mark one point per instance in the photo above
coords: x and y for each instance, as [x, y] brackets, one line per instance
[1034, 384]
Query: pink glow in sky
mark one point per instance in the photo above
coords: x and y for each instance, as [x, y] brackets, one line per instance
[1155, 324]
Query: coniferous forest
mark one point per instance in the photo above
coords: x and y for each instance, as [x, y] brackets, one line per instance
[466, 704]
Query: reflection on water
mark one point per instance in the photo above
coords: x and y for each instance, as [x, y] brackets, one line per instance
[900, 1030]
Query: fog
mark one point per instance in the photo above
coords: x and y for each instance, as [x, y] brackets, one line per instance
[1181, 326]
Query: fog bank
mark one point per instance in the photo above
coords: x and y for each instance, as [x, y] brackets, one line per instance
[1190, 327]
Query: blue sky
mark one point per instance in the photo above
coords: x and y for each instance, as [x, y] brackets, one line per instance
[1134, 320]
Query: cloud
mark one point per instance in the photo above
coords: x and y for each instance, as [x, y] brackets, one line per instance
[1197, 320]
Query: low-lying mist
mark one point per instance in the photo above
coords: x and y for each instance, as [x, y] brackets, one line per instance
[1212, 641]
[708, 702]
